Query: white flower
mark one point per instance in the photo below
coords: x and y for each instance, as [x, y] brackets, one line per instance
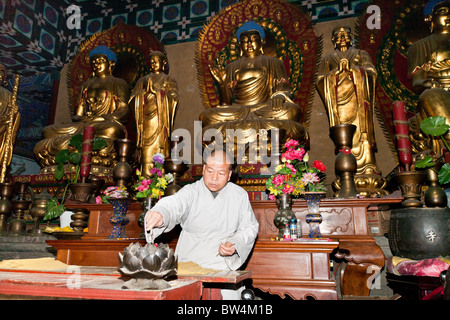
[168, 177]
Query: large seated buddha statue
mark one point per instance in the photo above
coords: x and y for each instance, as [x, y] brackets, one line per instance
[429, 70]
[102, 103]
[254, 92]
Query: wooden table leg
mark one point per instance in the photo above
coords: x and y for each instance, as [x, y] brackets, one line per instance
[363, 261]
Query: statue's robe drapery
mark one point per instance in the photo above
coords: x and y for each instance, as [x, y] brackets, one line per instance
[155, 101]
[253, 82]
[431, 55]
[429, 58]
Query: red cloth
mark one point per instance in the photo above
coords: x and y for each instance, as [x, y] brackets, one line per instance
[426, 267]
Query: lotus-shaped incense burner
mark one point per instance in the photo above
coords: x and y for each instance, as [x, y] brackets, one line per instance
[148, 266]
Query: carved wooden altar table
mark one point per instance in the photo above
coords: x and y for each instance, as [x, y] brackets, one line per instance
[344, 222]
[300, 269]
[88, 283]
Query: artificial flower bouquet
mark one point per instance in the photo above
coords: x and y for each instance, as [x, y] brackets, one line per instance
[112, 192]
[295, 175]
[154, 185]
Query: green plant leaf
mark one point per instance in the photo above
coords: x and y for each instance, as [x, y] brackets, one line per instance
[62, 156]
[425, 162]
[76, 141]
[75, 158]
[54, 209]
[444, 174]
[434, 126]
[99, 143]
[59, 172]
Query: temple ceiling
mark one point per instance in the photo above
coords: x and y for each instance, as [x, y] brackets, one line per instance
[39, 37]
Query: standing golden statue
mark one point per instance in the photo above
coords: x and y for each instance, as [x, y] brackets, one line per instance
[154, 100]
[10, 120]
[102, 103]
[429, 70]
[346, 84]
[254, 92]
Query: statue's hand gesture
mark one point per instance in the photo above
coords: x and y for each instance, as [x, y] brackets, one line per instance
[344, 66]
[277, 102]
[218, 73]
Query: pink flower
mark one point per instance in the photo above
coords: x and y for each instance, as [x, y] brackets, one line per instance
[293, 154]
[98, 200]
[310, 177]
[288, 189]
[156, 170]
[146, 182]
[291, 167]
[271, 197]
[142, 187]
[277, 180]
[291, 143]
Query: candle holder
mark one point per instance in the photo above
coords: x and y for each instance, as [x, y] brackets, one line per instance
[80, 218]
[18, 225]
[22, 187]
[38, 209]
[410, 184]
[345, 162]
[98, 182]
[175, 166]
[82, 191]
[122, 172]
[6, 192]
[177, 170]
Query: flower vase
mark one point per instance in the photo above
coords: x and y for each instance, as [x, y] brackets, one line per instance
[284, 214]
[119, 220]
[146, 205]
[314, 218]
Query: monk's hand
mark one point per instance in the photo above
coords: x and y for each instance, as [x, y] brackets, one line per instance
[277, 102]
[227, 249]
[153, 219]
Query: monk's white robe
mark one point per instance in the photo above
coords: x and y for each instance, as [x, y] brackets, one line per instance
[207, 221]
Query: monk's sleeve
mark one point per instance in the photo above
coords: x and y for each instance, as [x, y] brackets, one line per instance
[173, 209]
[245, 236]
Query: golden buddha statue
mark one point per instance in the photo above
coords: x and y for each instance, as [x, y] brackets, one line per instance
[429, 70]
[102, 103]
[254, 92]
[154, 100]
[10, 122]
[346, 84]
